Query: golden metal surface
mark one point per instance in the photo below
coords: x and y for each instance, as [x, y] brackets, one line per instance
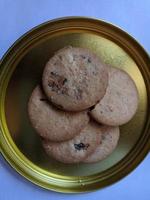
[21, 70]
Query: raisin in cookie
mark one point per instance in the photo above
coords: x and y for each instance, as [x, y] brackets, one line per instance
[109, 140]
[75, 79]
[52, 123]
[76, 149]
[120, 102]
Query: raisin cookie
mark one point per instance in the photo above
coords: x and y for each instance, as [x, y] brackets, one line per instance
[52, 123]
[120, 102]
[75, 79]
[109, 140]
[76, 149]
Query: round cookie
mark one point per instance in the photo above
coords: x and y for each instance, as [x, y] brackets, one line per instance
[120, 102]
[52, 123]
[76, 149]
[75, 79]
[109, 140]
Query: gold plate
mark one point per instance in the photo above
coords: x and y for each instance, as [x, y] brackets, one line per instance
[20, 72]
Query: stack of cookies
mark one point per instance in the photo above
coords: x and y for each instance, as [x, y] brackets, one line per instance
[78, 108]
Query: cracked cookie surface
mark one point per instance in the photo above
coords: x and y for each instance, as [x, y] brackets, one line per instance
[120, 101]
[109, 140]
[52, 123]
[75, 79]
[76, 149]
